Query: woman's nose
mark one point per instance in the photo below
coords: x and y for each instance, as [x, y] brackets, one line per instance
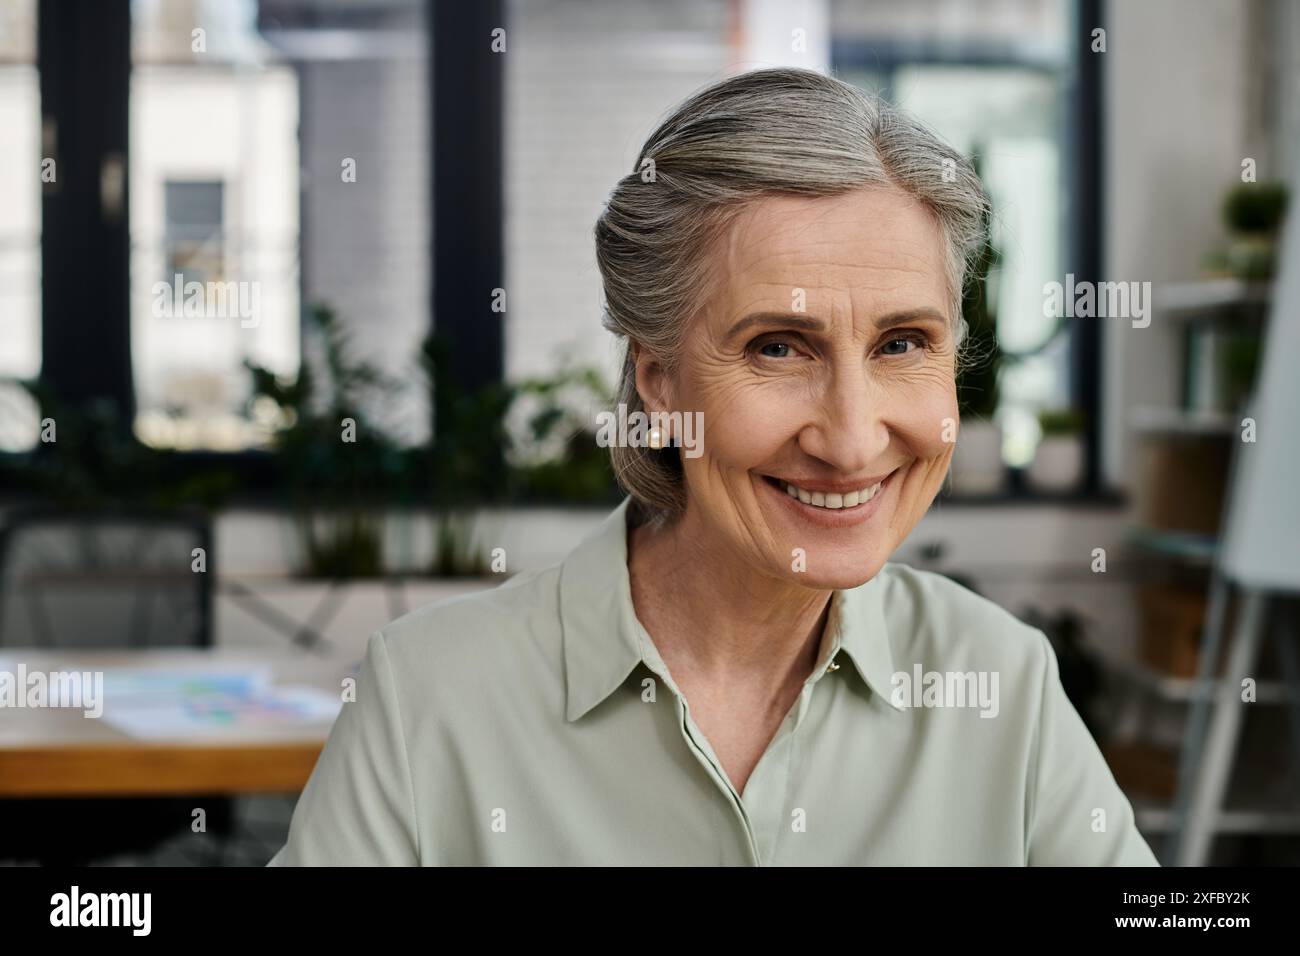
[848, 429]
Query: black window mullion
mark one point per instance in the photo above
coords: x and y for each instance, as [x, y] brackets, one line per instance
[1085, 152]
[84, 59]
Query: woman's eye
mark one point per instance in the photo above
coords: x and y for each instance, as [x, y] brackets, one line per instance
[775, 350]
[899, 345]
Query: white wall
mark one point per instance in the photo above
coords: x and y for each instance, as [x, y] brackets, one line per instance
[1185, 103]
[1019, 556]
[585, 84]
[20, 223]
[366, 243]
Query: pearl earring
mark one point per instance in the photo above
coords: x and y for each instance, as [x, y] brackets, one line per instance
[656, 438]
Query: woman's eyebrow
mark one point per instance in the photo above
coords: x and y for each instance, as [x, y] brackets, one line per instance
[812, 324]
[784, 319]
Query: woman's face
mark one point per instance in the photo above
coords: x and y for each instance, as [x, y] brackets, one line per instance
[823, 361]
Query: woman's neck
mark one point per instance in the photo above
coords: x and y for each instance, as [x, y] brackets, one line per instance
[718, 618]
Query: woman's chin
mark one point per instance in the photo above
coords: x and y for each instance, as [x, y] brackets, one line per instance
[831, 570]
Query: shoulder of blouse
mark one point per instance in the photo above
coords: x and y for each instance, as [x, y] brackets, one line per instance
[496, 630]
[933, 618]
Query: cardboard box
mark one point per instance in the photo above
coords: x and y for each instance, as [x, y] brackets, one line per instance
[1183, 483]
[1173, 620]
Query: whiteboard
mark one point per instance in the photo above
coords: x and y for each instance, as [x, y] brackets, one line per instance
[1261, 536]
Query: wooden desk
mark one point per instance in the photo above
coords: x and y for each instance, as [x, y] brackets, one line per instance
[47, 752]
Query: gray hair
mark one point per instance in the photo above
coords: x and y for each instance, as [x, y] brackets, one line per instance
[760, 133]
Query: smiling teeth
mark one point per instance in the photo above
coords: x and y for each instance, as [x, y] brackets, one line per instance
[832, 501]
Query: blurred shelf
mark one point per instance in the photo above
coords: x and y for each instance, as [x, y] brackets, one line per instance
[1192, 547]
[1154, 420]
[1185, 689]
[1211, 322]
[1214, 300]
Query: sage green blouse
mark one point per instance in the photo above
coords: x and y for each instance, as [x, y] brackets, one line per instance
[536, 724]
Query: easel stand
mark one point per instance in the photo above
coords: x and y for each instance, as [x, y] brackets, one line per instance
[1214, 722]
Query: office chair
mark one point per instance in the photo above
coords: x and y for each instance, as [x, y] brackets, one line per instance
[101, 579]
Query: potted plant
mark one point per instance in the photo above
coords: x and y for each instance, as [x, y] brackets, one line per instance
[1058, 460]
[977, 466]
[98, 463]
[340, 469]
[1253, 213]
[463, 466]
[554, 453]
[531, 440]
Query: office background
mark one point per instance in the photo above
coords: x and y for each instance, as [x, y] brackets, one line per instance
[396, 199]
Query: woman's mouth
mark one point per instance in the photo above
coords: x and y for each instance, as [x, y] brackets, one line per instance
[830, 499]
[841, 505]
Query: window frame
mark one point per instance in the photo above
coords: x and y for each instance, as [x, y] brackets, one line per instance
[86, 48]
[1082, 156]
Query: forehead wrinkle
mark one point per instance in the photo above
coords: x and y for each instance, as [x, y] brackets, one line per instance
[760, 225]
[876, 278]
[831, 213]
[761, 240]
[835, 252]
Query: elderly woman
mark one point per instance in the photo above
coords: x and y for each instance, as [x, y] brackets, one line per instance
[728, 671]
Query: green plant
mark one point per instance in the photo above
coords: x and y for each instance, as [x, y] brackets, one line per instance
[1255, 207]
[557, 457]
[339, 467]
[88, 457]
[456, 552]
[528, 440]
[463, 466]
[977, 375]
[1060, 421]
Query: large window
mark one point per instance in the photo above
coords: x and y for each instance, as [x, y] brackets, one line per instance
[584, 87]
[271, 156]
[280, 159]
[194, 245]
[214, 220]
[363, 141]
[993, 78]
[22, 177]
[993, 85]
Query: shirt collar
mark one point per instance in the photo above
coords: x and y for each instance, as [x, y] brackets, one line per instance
[596, 614]
[861, 630]
[600, 640]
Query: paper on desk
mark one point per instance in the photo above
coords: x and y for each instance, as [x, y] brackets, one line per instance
[160, 705]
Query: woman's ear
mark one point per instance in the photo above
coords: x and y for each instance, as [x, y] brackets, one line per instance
[653, 383]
